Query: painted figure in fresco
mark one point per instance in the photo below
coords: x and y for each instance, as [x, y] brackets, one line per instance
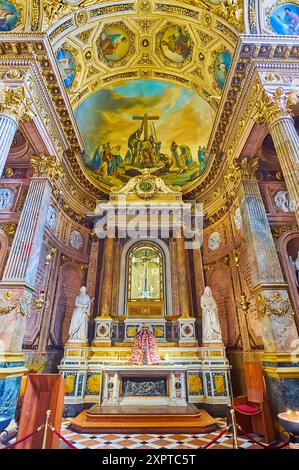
[175, 153]
[133, 146]
[203, 157]
[110, 42]
[106, 160]
[178, 43]
[290, 20]
[223, 68]
[7, 16]
[211, 331]
[186, 155]
[181, 154]
[295, 268]
[97, 158]
[79, 322]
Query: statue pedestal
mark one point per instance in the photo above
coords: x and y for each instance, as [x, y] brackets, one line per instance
[187, 331]
[103, 331]
[73, 368]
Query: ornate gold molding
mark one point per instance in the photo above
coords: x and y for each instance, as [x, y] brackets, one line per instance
[248, 168]
[274, 305]
[245, 170]
[46, 166]
[274, 106]
[10, 230]
[279, 230]
[15, 104]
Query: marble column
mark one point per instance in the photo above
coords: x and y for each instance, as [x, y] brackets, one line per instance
[18, 283]
[107, 278]
[271, 297]
[184, 297]
[275, 110]
[186, 323]
[104, 322]
[92, 269]
[14, 108]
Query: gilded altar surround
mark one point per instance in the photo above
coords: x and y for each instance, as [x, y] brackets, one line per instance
[150, 118]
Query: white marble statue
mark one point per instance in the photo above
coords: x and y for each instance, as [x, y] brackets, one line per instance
[211, 331]
[79, 322]
[295, 268]
[282, 201]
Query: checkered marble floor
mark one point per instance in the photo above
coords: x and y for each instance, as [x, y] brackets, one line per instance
[150, 441]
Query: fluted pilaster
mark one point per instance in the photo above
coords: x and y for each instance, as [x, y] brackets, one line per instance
[272, 301]
[184, 297]
[107, 276]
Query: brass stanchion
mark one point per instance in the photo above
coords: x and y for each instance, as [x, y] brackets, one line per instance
[235, 429]
[48, 412]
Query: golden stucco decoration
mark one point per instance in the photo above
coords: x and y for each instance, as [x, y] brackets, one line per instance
[46, 167]
[14, 103]
[275, 106]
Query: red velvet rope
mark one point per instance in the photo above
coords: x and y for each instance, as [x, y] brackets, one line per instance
[63, 438]
[208, 444]
[21, 440]
[280, 445]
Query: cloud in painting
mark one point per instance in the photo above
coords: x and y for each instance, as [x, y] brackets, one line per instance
[106, 116]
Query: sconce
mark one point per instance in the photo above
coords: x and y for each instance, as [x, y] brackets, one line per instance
[39, 303]
[245, 304]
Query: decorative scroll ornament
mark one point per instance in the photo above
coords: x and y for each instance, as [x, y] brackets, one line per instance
[275, 305]
[47, 167]
[14, 104]
[146, 186]
[248, 168]
[20, 306]
[55, 9]
[232, 11]
[9, 229]
[244, 171]
[275, 106]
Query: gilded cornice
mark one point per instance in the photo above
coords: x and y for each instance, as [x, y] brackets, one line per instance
[27, 59]
[54, 11]
[249, 77]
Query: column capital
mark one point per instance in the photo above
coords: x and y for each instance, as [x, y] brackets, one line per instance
[274, 106]
[245, 170]
[15, 104]
[46, 167]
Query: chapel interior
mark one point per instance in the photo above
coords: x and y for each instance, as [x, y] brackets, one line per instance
[178, 121]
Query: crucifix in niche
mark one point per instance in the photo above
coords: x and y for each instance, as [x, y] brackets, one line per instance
[145, 273]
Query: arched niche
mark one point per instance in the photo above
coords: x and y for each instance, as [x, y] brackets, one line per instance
[220, 281]
[124, 272]
[4, 246]
[69, 281]
[288, 246]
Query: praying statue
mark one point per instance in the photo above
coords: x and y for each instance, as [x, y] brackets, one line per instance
[295, 268]
[79, 322]
[211, 331]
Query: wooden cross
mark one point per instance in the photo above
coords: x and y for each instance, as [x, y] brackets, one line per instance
[145, 120]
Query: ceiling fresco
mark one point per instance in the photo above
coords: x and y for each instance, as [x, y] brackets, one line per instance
[145, 124]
